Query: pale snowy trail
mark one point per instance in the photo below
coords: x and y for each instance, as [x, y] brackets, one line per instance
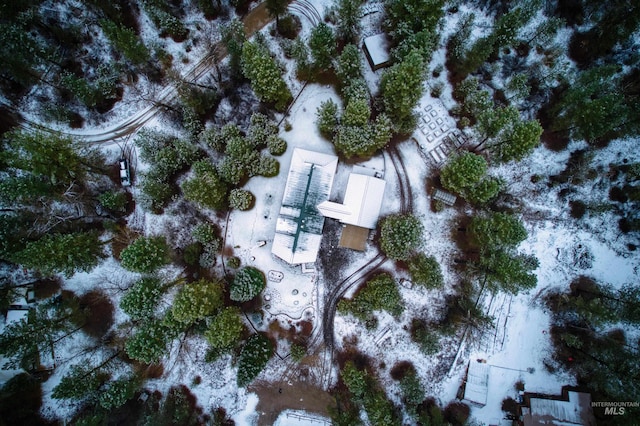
[257, 18]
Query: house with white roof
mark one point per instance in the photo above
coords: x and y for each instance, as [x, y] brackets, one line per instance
[300, 223]
[360, 209]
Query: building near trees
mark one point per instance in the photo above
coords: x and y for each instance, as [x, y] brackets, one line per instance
[573, 408]
[305, 205]
[300, 223]
[44, 361]
[360, 209]
[476, 385]
[376, 49]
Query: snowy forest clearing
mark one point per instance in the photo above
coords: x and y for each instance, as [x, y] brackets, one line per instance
[171, 301]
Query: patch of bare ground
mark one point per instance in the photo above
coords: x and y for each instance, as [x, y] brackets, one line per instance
[276, 397]
[256, 20]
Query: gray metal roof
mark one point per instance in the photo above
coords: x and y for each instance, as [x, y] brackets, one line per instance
[445, 197]
[299, 225]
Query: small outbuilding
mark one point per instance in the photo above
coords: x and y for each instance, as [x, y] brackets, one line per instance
[15, 315]
[573, 409]
[376, 49]
[476, 386]
[45, 358]
[444, 197]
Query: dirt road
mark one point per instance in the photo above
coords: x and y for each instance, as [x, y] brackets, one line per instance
[275, 397]
[254, 21]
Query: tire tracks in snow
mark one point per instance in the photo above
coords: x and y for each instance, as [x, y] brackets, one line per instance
[257, 17]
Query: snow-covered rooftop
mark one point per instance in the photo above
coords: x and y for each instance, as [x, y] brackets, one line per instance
[576, 411]
[362, 202]
[299, 226]
[377, 49]
[477, 386]
[15, 315]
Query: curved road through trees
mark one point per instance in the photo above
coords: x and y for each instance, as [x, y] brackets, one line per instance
[306, 9]
[406, 197]
[254, 21]
[339, 290]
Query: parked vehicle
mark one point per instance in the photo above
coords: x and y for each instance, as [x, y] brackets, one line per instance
[125, 174]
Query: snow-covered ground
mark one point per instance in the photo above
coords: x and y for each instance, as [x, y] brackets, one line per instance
[251, 233]
[516, 349]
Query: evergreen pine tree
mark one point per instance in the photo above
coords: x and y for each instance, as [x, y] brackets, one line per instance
[197, 300]
[253, 358]
[322, 45]
[247, 284]
[400, 236]
[145, 255]
[65, 253]
[425, 271]
[141, 300]
[225, 329]
[265, 75]
[206, 188]
[401, 88]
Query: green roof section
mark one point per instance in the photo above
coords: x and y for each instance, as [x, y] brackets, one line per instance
[300, 223]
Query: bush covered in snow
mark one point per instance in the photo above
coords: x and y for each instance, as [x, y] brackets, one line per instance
[268, 167]
[276, 145]
[113, 200]
[368, 393]
[141, 300]
[466, 174]
[155, 193]
[225, 329]
[496, 230]
[197, 300]
[400, 235]
[413, 391]
[265, 75]
[247, 284]
[208, 257]
[145, 255]
[233, 262]
[206, 188]
[206, 233]
[425, 270]
[241, 199]
[426, 339]
[260, 129]
[327, 118]
[167, 156]
[380, 293]
[149, 343]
